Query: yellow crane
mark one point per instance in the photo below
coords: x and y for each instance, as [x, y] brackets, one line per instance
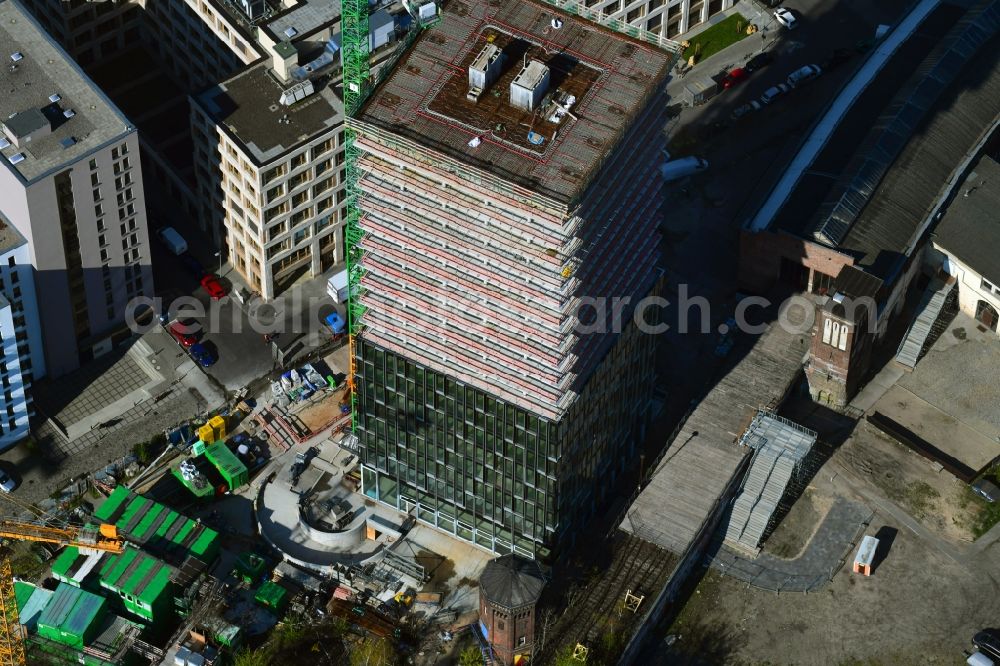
[103, 538]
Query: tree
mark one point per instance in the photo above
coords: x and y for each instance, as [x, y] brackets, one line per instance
[470, 657]
[248, 657]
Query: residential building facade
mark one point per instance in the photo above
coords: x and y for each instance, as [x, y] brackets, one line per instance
[71, 185]
[22, 358]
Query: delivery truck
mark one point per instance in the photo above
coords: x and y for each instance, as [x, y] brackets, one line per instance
[337, 287]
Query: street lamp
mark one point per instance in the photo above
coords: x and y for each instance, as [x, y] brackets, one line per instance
[219, 255]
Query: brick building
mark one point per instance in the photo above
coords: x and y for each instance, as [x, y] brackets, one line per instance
[509, 590]
[863, 233]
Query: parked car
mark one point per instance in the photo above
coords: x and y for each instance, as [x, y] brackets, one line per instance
[987, 641]
[184, 332]
[7, 484]
[213, 287]
[192, 265]
[735, 76]
[785, 18]
[838, 57]
[986, 489]
[759, 61]
[744, 109]
[201, 355]
[773, 93]
[685, 166]
[173, 240]
[803, 75]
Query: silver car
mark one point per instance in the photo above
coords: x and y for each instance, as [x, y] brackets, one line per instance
[773, 93]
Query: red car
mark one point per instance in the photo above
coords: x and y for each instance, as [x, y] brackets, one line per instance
[213, 287]
[736, 76]
[183, 332]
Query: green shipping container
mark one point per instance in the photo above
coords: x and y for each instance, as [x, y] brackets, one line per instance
[72, 616]
[229, 466]
[140, 580]
[272, 596]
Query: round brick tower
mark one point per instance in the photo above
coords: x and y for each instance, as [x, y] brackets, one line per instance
[509, 589]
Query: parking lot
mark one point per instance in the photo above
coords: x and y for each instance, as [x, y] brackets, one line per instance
[234, 332]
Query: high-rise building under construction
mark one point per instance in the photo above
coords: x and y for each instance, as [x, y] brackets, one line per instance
[508, 183]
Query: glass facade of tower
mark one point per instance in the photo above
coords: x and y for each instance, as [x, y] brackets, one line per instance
[468, 463]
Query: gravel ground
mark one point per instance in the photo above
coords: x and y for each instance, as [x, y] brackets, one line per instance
[918, 607]
[959, 375]
[50, 463]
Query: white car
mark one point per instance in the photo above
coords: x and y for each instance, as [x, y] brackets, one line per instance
[785, 18]
[773, 93]
[6, 483]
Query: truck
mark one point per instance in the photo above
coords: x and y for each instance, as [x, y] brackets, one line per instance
[685, 166]
[336, 287]
[173, 240]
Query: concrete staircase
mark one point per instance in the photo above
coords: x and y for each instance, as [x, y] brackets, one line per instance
[937, 300]
[767, 479]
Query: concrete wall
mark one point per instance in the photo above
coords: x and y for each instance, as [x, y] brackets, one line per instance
[972, 288]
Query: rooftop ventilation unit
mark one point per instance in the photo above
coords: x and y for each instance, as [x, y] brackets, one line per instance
[297, 92]
[54, 97]
[290, 32]
[529, 86]
[69, 113]
[4, 143]
[16, 158]
[484, 70]
[16, 56]
[253, 8]
[68, 142]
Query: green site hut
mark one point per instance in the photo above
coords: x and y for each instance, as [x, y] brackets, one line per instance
[71, 617]
[142, 582]
[157, 528]
[272, 596]
[230, 467]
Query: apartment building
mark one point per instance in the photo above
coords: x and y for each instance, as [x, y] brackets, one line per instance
[509, 230]
[269, 148]
[21, 353]
[273, 176]
[668, 18]
[71, 185]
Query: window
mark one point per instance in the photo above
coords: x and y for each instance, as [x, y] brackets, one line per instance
[98, 210]
[500, 625]
[522, 640]
[987, 285]
[94, 180]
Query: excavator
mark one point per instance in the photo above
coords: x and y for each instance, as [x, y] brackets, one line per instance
[47, 529]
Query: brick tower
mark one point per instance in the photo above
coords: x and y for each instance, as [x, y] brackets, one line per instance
[509, 590]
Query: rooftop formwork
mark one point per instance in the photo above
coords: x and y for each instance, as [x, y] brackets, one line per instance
[611, 75]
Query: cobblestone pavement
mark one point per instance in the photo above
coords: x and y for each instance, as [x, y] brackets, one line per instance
[815, 567]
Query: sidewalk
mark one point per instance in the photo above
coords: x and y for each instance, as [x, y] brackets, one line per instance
[734, 55]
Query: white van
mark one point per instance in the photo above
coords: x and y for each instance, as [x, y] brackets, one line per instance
[173, 240]
[804, 74]
[684, 166]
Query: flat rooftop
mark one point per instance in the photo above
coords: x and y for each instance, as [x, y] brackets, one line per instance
[304, 17]
[970, 228]
[248, 105]
[611, 76]
[701, 460]
[28, 82]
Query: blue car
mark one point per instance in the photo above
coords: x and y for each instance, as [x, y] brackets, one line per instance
[201, 355]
